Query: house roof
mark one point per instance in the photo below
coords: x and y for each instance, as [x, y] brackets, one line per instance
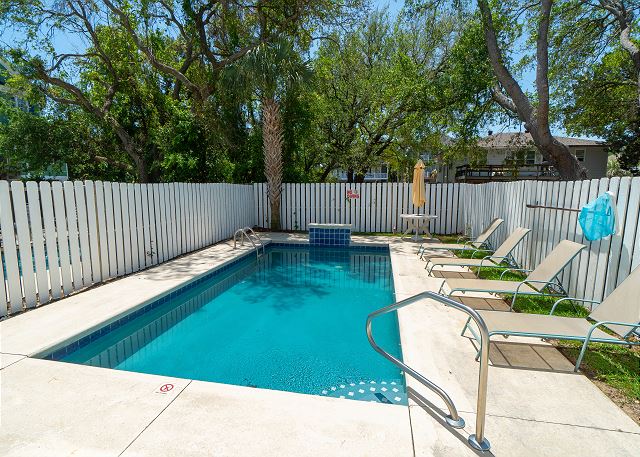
[517, 139]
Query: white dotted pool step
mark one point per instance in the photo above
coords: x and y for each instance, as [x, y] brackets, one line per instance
[392, 392]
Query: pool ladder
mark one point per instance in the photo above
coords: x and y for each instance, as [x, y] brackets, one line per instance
[252, 236]
[477, 441]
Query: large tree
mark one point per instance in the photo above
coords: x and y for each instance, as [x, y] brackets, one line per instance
[378, 90]
[597, 73]
[176, 50]
[81, 59]
[98, 78]
[218, 33]
[509, 94]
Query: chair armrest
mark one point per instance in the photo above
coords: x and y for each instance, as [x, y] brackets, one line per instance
[534, 281]
[479, 250]
[515, 269]
[521, 283]
[492, 258]
[553, 308]
[601, 323]
[531, 281]
[590, 332]
[463, 237]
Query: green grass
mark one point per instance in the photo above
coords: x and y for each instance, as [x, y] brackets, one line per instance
[532, 304]
[448, 238]
[614, 365]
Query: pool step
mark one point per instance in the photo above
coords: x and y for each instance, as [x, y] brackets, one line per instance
[388, 391]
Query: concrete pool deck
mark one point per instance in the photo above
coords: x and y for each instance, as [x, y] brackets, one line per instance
[56, 409]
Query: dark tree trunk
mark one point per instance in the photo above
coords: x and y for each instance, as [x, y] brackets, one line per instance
[275, 214]
[351, 175]
[558, 155]
[272, 140]
[141, 168]
[326, 171]
[325, 174]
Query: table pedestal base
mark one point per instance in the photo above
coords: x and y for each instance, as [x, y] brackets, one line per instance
[417, 224]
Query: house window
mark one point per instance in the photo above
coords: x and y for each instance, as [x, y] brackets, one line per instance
[521, 158]
[530, 158]
[580, 155]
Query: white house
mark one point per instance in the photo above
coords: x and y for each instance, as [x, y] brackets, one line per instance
[513, 156]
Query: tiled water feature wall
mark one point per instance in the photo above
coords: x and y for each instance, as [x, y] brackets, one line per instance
[329, 234]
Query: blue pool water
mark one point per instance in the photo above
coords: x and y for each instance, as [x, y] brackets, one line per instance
[292, 320]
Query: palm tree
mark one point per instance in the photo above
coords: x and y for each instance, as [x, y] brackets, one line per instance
[269, 71]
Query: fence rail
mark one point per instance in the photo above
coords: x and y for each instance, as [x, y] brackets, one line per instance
[61, 237]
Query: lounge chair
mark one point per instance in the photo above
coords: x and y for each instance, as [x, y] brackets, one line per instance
[501, 258]
[543, 281]
[481, 242]
[619, 312]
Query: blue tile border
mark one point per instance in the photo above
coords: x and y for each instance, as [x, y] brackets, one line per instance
[352, 247]
[325, 236]
[62, 352]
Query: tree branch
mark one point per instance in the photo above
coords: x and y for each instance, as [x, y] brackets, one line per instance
[507, 81]
[153, 60]
[625, 23]
[501, 99]
[542, 68]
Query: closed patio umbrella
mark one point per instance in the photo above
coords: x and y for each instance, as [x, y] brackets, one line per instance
[419, 198]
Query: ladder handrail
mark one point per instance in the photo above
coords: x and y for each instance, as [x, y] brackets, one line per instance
[250, 232]
[477, 441]
[244, 233]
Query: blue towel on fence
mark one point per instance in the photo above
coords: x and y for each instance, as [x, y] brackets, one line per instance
[598, 218]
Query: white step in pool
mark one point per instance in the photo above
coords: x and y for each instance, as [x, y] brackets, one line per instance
[387, 391]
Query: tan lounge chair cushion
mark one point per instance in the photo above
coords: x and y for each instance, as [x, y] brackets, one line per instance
[452, 246]
[483, 285]
[540, 324]
[454, 261]
[622, 305]
[564, 252]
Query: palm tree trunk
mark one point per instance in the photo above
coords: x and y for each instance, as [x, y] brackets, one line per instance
[272, 140]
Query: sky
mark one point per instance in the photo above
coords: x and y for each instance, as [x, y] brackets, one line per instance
[394, 5]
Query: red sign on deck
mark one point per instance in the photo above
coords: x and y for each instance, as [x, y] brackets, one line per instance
[164, 388]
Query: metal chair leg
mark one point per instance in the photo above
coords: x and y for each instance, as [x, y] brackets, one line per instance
[513, 301]
[581, 356]
[465, 327]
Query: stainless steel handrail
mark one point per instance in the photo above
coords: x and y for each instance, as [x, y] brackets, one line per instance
[250, 232]
[477, 440]
[244, 234]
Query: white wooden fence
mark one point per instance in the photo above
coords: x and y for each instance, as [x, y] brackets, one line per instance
[60, 237]
[600, 267]
[83, 233]
[369, 207]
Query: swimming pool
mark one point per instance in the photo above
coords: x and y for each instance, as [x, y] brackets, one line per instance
[292, 320]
